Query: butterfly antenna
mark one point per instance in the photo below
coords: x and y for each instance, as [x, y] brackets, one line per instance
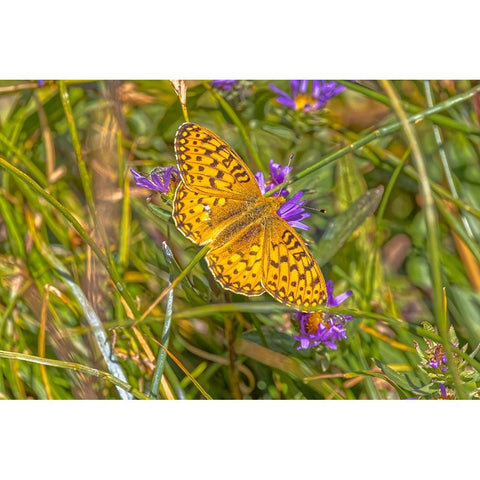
[321, 210]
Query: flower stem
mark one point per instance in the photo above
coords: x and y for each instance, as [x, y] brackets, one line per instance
[162, 355]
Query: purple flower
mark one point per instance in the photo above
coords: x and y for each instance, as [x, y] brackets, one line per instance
[338, 300]
[261, 182]
[278, 174]
[322, 327]
[443, 390]
[160, 179]
[299, 99]
[292, 210]
[438, 359]
[223, 84]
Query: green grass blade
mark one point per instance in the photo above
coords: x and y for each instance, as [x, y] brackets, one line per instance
[431, 221]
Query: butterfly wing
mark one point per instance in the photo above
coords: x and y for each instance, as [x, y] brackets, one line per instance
[237, 263]
[209, 165]
[290, 272]
[201, 217]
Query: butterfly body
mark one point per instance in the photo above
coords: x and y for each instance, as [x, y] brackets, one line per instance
[252, 249]
[259, 212]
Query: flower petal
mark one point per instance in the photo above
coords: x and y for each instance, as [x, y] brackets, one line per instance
[261, 181]
[142, 181]
[294, 87]
[303, 86]
[282, 93]
[293, 213]
[278, 173]
[443, 390]
[288, 102]
[159, 182]
[335, 301]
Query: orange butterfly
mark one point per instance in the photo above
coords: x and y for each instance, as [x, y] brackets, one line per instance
[252, 249]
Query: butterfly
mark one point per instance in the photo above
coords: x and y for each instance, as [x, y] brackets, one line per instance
[251, 248]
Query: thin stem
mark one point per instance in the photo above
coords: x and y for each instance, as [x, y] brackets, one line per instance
[210, 310]
[125, 230]
[258, 328]
[47, 138]
[174, 382]
[431, 222]
[19, 87]
[443, 157]
[370, 276]
[82, 167]
[180, 87]
[162, 355]
[232, 356]
[41, 341]
[457, 229]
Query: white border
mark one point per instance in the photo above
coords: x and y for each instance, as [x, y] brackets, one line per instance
[235, 439]
[368, 39]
